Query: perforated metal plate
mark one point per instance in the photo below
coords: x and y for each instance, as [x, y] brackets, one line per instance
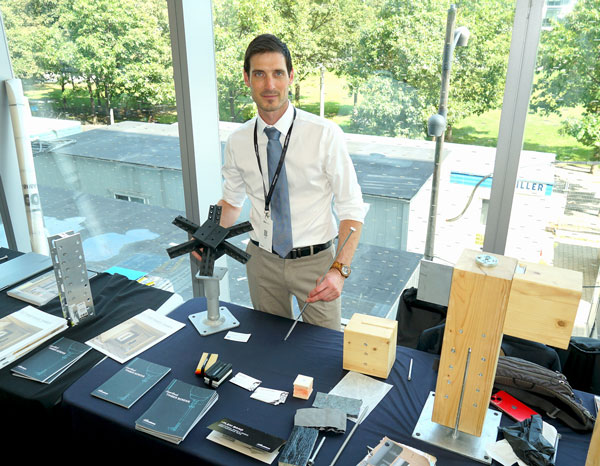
[71, 274]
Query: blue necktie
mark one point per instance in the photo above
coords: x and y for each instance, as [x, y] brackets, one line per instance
[280, 202]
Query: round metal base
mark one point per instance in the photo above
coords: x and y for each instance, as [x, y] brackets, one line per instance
[464, 444]
[206, 327]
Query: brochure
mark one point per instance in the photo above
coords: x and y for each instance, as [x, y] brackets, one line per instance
[176, 411]
[131, 382]
[135, 335]
[52, 361]
[40, 290]
[24, 330]
[244, 439]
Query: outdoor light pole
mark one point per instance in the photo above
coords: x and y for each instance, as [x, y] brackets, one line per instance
[436, 125]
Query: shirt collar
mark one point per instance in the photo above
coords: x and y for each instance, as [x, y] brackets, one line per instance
[282, 125]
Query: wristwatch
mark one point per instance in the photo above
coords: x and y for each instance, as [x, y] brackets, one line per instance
[342, 268]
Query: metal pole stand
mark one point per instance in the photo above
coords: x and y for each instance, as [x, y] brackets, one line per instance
[215, 319]
[458, 442]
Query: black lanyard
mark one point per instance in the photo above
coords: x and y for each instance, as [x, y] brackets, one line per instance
[269, 195]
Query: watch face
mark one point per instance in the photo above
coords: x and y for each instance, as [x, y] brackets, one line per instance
[345, 270]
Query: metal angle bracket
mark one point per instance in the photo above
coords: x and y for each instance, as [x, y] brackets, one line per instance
[66, 251]
[464, 444]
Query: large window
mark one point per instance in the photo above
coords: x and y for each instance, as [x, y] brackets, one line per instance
[375, 68]
[561, 148]
[99, 79]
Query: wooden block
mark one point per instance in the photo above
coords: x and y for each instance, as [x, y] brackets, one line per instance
[370, 345]
[593, 456]
[299, 446]
[476, 313]
[303, 386]
[543, 304]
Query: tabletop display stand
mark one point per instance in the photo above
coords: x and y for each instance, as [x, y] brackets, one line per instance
[209, 241]
[71, 274]
[456, 417]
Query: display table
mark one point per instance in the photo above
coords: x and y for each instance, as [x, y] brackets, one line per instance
[29, 409]
[106, 429]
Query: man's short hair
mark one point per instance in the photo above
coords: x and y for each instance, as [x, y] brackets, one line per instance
[267, 43]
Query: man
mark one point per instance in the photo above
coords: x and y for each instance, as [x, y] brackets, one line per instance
[291, 164]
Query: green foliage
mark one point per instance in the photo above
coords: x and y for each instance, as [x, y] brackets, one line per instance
[236, 23]
[406, 40]
[570, 71]
[585, 129]
[317, 32]
[389, 108]
[118, 49]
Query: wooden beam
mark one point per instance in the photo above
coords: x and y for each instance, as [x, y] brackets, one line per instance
[475, 320]
[543, 303]
[593, 456]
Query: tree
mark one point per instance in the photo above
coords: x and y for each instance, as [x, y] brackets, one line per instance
[569, 73]
[318, 33]
[236, 23]
[119, 49]
[392, 108]
[122, 47]
[406, 41]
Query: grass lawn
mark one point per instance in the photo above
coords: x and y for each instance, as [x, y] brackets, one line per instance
[338, 103]
[541, 134]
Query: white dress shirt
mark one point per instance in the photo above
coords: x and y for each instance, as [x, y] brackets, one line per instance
[318, 169]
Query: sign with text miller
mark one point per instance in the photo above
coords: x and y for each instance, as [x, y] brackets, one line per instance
[534, 188]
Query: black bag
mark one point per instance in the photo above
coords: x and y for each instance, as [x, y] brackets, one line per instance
[542, 389]
[414, 316]
[581, 364]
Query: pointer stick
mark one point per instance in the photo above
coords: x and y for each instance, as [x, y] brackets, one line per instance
[352, 230]
[360, 419]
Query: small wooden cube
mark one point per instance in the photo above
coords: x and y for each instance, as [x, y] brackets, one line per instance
[543, 303]
[303, 386]
[370, 345]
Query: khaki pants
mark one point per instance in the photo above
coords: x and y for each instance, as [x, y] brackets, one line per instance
[273, 281]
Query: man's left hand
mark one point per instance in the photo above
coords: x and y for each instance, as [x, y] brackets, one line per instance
[329, 289]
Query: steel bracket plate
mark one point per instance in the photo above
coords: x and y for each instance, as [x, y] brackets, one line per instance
[206, 326]
[464, 444]
[66, 251]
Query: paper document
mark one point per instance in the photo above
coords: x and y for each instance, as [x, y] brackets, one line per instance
[268, 395]
[236, 336]
[361, 387]
[135, 335]
[245, 381]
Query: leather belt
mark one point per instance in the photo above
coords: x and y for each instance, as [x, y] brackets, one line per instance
[304, 251]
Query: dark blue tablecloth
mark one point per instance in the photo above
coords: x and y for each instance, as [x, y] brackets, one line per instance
[314, 351]
[31, 419]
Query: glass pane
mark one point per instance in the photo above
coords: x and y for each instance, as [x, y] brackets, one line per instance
[555, 211]
[99, 79]
[380, 75]
[3, 240]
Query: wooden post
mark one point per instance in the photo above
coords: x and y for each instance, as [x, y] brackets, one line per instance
[475, 322]
[593, 456]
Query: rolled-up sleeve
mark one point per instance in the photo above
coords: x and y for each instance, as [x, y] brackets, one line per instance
[348, 202]
[234, 191]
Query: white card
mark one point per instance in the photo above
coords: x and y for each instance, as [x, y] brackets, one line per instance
[245, 381]
[265, 234]
[269, 395]
[235, 336]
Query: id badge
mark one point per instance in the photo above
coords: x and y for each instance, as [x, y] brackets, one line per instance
[266, 233]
